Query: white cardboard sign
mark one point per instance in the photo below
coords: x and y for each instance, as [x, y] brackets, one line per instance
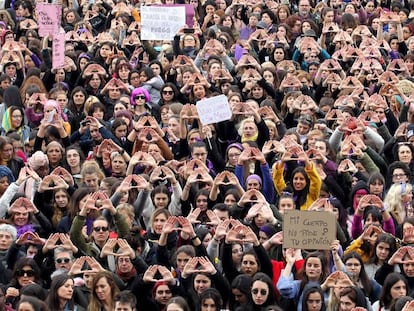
[214, 109]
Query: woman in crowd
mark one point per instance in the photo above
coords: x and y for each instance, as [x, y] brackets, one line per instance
[104, 289]
[395, 286]
[13, 121]
[314, 273]
[60, 296]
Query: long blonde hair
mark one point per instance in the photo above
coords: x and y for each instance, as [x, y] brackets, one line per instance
[333, 301]
[393, 200]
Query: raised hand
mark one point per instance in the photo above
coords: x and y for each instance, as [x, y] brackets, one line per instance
[222, 229]
[404, 254]
[192, 217]
[409, 306]
[67, 242]
[169, 225]
[89, 205]
[76, 268]
[149, 275]
[125, 249]
[108, 248]
[251, 237]
[206, 265]
[214, 220]
[277, 238]
[51, 242]
[187, 227]
[166, 275]
[190, 267]
[107, 203]
[94, 264]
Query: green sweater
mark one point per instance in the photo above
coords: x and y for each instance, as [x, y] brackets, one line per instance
[90, 248]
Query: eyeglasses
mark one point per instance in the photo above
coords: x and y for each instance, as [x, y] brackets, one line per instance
[62, 260]
[124, 260]
[222, 41]
[168, 92]
[103, 229]
[139, 97]
[398, 176]
[28, 273]
[256, 291]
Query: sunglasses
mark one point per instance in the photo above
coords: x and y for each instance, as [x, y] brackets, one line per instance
[168, 92]
[255, 291]
[103, 229]
[28, 273]
[62, 260]
[139, 97]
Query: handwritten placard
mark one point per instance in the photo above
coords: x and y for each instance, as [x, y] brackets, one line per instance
[58, 51]
[308, 229]
[214, 109]
[161, 23]
[49, 18]
[189, 13]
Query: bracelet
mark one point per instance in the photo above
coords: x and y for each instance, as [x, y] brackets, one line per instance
[193, 238]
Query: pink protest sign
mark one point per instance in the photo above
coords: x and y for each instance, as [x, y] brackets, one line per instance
[49, 17]
[58, 51]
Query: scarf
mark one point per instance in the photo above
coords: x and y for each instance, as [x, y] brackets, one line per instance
[125, 276]
[22, 229]
[253, 138]
[89, 225]
[6, 122]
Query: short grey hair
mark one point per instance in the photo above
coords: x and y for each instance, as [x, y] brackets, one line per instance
[61, 249]
[9, 229]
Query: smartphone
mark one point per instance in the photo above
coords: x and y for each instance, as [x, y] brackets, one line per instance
[85, 122]
[188, 30]
[51, 116]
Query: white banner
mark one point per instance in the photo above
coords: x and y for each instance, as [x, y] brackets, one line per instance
[161, 23]
[213, 110]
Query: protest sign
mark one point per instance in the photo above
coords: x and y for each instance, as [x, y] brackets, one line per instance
[214, 109]
[49, 18]
[58, 51]
[308, 229]
[189, 13]
[161, 23]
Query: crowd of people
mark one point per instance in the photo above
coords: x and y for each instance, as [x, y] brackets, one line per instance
[115, 196]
